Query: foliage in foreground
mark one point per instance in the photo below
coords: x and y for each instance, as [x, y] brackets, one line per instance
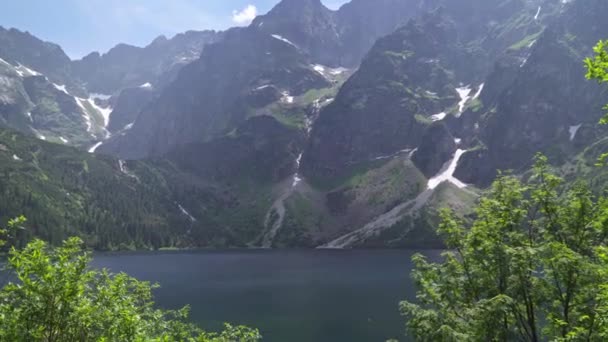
[597, 67]
[57, 297]
[533, 267]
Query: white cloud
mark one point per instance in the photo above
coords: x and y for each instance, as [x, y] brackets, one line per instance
[245, 16]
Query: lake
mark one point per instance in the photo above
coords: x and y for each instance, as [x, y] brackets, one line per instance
[296, 296]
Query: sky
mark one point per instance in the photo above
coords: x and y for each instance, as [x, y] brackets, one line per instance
[83, 26]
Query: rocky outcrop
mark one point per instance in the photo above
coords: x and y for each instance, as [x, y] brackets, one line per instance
[22, 48]
[207, 99]
[126, 66]
[384, 107]
[261, 149]
[547, 100]
[436, 148]
[128, 105]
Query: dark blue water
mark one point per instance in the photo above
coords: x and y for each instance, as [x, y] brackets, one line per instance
[297, 296]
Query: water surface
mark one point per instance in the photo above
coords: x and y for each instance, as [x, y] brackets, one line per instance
[297, 296]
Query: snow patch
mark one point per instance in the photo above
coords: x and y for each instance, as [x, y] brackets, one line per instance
[328, 101]
[390, 156]
[537, 12]
[29, 115]
[61, 88]
[284, 40]
[186, 213]
[64, 140]
[447, 173]
[121, 166]
[85, 114]
[105, 112]
[479, 91]
[319, 68]
[15, 157]
[102, 97]
[327, 72]
[128, 126]
[263, 87]
[146, 85]
[465, 96]
[296, 177]
[338, 71]
[439, 117]
[95, 147]
[287, 98]
[573, 130]
[457, 141]
[24, 71]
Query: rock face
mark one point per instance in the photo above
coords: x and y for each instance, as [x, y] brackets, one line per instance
[436, 148]
[383, 107]
[31, 103]
[240, 123]
[207, 99]
[21, 48]
[211, 96]
[261, 149]
[410, 77]
[337, 38]
[45, 94]
[128, 105]
[126, 66]
[307, 23]
[547, 98]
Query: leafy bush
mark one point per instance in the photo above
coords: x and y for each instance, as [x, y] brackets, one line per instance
[533, 267]
[58, 297]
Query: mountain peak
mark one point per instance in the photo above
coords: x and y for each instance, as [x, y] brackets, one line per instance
[295, 9]
[159, 40]
[300, 4]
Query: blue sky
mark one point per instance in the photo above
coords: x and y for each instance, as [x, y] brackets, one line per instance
[82, 26]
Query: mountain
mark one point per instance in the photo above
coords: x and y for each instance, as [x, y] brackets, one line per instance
[548, 106]
[402, 77]
[115, 204]
[309, 128]
[295, 48]
[127, 106]
[32, 103]
[47, 95]
[22, 49]
[368, 156]
[413, 77]
[233, 78]
[126, 66]
[411, 100]
[337, 38]
[66, 192]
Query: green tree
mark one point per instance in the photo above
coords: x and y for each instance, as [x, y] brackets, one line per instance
[56, 296]
[530, 268]
[597, 67]
[7, 235]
